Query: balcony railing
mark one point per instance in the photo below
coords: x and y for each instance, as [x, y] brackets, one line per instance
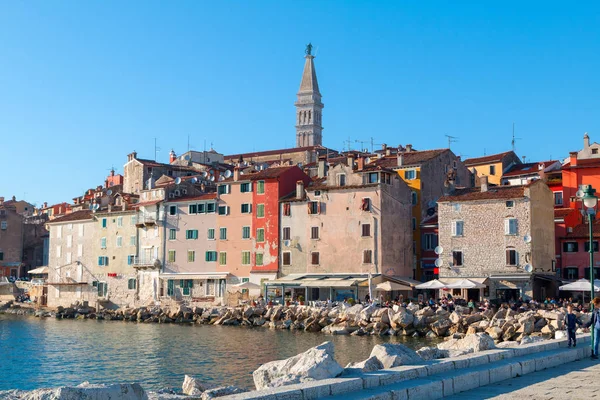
[148, 262]
[146, 219]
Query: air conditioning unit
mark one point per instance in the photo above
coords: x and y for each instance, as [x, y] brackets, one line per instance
[287, 243]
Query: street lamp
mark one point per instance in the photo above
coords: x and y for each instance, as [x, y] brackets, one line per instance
[589, 200]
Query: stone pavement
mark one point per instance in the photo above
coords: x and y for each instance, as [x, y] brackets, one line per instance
[573, 380]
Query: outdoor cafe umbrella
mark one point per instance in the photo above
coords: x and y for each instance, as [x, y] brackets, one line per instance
[434, 284]
[246, 285]
[390, 286]
[465, 284]
[581, 285]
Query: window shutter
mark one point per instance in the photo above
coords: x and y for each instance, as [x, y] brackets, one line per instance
[308, 204]
[319, 207]
[454, 223]
[507, 257]
[249, 208]
[507, 226]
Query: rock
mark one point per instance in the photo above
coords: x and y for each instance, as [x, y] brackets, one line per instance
[313, 327]
[221, 391]
[476, 342]
[440, 327]
[193, 387]
[547, 330]
[508, 334]
[367, 312]
[392, 355]
[455, 318]
[494, 332]
[431, 334]
[557, 324]
[540, 323]
[314, 364]
[553, 315]
[432, 353]
[531, 339]
[560, 335]
[86, 390]
[369, 365]
[527, 325]
[462, 310]
[506, 345]
[425, 312]
[359, 332]
[473, 318]
[412, 307]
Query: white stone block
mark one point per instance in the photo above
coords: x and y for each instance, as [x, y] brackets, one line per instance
[345, 385]
[448, 387]
[439, 367]
[527, 366]
[466, 382]
[425, 391]
[499, 373]
[484, 377]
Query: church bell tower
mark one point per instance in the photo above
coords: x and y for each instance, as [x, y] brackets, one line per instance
[309, 108]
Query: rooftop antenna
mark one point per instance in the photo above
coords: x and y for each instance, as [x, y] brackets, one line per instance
[451, 139]
[347, 142]
[373, 144]
[156, 149]
[362, 144]
[514, 139]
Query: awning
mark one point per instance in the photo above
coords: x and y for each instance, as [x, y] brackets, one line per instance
[433, 284]
[197, 276]
[391, 286]
[318, 283]
[466, 284]
[408, 281]
[40, 270]
[515, 277]
[454, 280]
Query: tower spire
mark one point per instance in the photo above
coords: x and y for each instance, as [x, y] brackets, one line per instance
[308, 105]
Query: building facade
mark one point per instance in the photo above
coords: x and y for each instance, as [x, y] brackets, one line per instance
[492, 166]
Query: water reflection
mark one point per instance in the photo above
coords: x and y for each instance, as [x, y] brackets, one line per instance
[38, 353]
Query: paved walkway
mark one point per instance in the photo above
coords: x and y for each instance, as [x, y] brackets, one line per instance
[574, 380]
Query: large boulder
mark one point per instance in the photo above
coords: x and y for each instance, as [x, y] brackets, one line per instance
[476, 342]
[369, 365]
[462, 310]
[560, 335]
[392, 355]
[494, 332]
[314, 364]
[193, 387]
[425, 312]
[432, 353]
[531, 339]
[221, 391]
[88, 391]
[440, 327]
[412, 307]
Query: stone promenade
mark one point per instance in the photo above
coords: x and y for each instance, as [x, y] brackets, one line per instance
[573, 381]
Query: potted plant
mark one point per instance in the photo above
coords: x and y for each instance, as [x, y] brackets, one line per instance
[301, 300]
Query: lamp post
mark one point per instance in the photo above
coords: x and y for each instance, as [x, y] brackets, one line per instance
[589, 200]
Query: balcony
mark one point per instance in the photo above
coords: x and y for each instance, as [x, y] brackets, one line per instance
[146, 219]
[145, 262]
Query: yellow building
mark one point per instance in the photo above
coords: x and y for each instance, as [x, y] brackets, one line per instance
[492, 166]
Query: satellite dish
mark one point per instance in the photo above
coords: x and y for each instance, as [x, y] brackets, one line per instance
[212, 178]
[241, 172]
[439, 250]
[204, 174]
[367, 160]
[579, 194]
[439, 262]
[109, 192]
[228, 174]
[194, 180]
[186, 158]
[221, 178]
[528, 268]
[177, 180]
[156, 263]
[527, 239]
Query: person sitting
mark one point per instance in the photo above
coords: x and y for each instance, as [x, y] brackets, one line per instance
[471, 305]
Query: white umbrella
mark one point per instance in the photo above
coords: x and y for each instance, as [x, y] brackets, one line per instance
[466, 284]
[246, 285]
[434, 284]
[390, 286]
[581, 285]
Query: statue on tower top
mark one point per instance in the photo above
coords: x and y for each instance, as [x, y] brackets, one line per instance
[308, 49]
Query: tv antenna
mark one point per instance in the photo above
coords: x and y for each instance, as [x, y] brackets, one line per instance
[156, 149]
[348, 143]
[374, 144]
[514, 139]
[362, 144]
[451, 139]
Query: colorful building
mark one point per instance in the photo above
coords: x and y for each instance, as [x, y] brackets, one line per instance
[492, 166]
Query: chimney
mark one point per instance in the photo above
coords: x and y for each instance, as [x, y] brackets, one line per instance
[360, 162]
[236, 174]
[388, 151]
[449, 184]
[400, 158]
[573, 158]
[384, 148]
[586, 141]
[351, 160]
[322, 170]
[14, 198]
[408, 148]
[45, 203]
[131, 156]
[172, 156]
[2, 201]
[484, 183]
[300, 190]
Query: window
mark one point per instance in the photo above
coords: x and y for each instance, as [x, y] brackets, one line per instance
[119, 241]
[191, 234]
[245, 232]
[314, 207]
[172, 234]
[223, 210]
[510, 226]
[341, 179]
[211, 256]
[191, 255]
[120, 222]
[429, 241]
[58, 231]
[210, 234]
[130, 259]
[1, 255]
[317, 193]
[224, 189]
[367, 256]
[571, 273]
[103, 243]
[172, 210]
[260, 187]
[133, 220]
[223, 233]
[510, 204]
[410, 174]
[81, 228]
[186, 286]
[314, 258]
[69, 241]
[492, 170]
[211, 208]
[245, 258]
[314, 232]
[570, 247]
[366, 230]
[414, 198]
[170, 287]
[286, 258]
[3, 225]
[79, 250]
[246, 187]
[457, 228]
[414, 224]
[132, 240]
[131, 283]
[69, 259]
[102, 289]
[287, 233]
[260, 211]
[260, 235]
[287, 209]
[104, 222]
[246, 208]
[594, 151]
[511, 257]
[586, 246]
[457, 258]
[201, 208]
[373, 177]
[558, 198]
[222, 258]
[366, 204]
[172, 256]
[193, 209]
[102, 261]
[456, 207]
[259, 258]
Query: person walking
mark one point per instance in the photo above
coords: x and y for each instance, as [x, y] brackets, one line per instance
[595, 324]
[571, 322]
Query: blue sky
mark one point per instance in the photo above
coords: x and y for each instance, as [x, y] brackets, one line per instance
[84, 83]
